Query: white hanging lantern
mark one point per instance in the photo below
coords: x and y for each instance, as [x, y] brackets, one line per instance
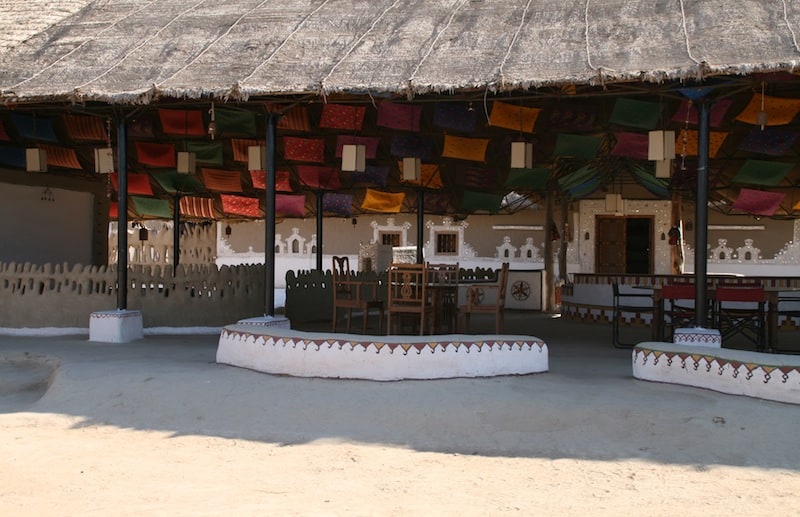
[521, 155]
[615, 204]
[35, 160]
[412, 169]
[354, 158]
[661, 145]
[187, 163]
[256, 158]
[104, 160]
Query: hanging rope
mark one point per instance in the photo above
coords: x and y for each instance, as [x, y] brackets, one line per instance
[513, 41]
[433, 44]
[140, 45]
[86, 42]
[586, 35]
[356, 44]
[279, 47]
[686, 35]
[789, 26]
[214, 41]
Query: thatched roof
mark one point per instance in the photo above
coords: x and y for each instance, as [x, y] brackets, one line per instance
[134, 51]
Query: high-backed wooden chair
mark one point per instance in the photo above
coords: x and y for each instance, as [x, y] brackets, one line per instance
[443, 284]
[408, 296]
[488, 298]
[351, 292]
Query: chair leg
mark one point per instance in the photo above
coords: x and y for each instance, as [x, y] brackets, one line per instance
[335, 315]
[615, 331]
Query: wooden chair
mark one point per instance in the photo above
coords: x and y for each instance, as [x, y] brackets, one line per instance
[486, 299]
[443, 284]
[408, 296]
[631, 302]
[740, 310]
[351, 292]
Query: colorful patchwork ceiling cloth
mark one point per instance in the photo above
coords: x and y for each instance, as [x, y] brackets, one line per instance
[580, 146]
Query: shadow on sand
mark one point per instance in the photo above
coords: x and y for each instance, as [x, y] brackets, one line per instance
[587, 406]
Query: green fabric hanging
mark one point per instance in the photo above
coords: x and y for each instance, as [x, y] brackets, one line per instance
[647, 178]
[174, 182]
[580, 183]
[235, 122]
[473, 201]
[641, 114]
[210, 153]
[152, 207]
[760, 172]
[528, 178]
[577, 146]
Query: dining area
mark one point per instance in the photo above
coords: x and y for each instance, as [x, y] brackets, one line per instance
[747, 313]
[416, 298]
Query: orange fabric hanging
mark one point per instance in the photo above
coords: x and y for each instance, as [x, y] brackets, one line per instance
[386, 202]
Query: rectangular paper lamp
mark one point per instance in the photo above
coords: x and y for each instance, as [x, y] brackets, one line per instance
[661, 145]
[354, 158]
[35, 160]
[256, 158]
[104, 160]
[521, 155]
[412, 168]
[614, 203]
[187, 163]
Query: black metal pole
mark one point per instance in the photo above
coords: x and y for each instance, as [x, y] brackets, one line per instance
[269, 216]
[420, 224]
[701, 218]
[318, 194]
[176, 235]
[122, 215]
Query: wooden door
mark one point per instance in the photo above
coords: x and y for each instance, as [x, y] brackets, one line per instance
[610, 245]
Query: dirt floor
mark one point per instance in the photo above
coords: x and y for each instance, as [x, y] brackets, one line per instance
[156, 427]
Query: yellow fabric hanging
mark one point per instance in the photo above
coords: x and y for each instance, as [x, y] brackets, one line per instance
[715, 141]
[465, 148]
[779, 111]
[512, 116]
[387, 202]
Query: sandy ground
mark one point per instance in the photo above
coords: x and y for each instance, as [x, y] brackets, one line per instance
[155, 427]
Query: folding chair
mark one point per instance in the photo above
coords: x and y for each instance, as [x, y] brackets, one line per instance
[679, 312]
[739, 310]
[631, 302]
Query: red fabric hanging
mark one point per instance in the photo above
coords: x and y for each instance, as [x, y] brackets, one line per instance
[240, 205]
[314, 176]
[155, 154]
[342, 116]
[304, 149]
[137, 184]
[197, 207]
[85, 128]
[221, 181]
[182, 122]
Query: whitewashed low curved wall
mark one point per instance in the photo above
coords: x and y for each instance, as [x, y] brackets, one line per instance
[737, 372]
[381, 358]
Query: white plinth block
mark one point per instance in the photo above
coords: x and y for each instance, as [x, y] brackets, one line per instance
[116, 326]
[698, 336]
